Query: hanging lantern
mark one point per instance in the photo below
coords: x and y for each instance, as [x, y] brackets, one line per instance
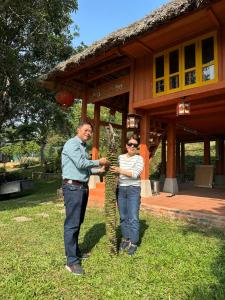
[183, 109]
[133, 121]
[64, 98]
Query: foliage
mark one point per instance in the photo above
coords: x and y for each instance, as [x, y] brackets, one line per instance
[34, 37]
[21, 151]
[174, 261]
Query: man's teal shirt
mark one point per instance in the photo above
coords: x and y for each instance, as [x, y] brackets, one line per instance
[75, 162]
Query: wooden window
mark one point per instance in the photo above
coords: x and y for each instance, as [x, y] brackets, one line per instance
[159, 74]
[208, 59]
[174, 76]
[188, 65]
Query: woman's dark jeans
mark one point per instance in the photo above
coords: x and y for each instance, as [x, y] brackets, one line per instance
[75, 200]
[129, 205]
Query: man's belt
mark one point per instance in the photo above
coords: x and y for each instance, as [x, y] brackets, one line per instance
[74, 182]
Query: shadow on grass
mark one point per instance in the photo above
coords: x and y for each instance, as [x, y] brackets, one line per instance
[215, 291]
[43, 191]
[92, 236]
[97, 231]
[143, 228]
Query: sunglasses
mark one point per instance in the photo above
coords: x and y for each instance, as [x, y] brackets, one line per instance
[132, 144]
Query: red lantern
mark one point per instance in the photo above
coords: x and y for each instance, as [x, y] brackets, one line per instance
[64, 98]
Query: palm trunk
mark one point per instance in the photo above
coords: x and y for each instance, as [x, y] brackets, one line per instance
[110, 205]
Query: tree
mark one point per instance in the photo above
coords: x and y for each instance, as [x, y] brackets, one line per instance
[34, 37]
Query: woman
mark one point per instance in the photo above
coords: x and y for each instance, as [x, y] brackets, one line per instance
[129, 190]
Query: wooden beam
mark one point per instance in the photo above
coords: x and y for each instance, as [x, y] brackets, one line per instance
[109, 70]
[144, 46]
[213, 17]
[110, 89]
[105, 123]
[190, 94]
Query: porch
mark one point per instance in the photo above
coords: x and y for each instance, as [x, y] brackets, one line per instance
[195, 204]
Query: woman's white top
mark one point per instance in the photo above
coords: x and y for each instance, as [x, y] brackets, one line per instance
[135, 164]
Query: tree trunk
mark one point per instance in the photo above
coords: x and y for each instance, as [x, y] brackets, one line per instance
[42, 154]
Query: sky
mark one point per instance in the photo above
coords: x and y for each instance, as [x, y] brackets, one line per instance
[98, 18]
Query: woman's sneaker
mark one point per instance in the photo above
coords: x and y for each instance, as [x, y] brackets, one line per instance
[124, 245]
[132, 249]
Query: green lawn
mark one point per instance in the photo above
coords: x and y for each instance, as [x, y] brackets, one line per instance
[174, 261]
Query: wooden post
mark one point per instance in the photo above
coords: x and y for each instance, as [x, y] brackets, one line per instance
[178, 158]
[220, 172]
[144, 145]
[94, 179]
[84, 105]
[182, 160]
[146, 190]
[171, 140]
[206, 152]
[163, 158]
[95, 145]
[170, 184]
[131, 92]
[220, 160]
[124, 132]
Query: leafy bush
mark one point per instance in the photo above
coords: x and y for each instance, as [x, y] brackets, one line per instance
[21, 150]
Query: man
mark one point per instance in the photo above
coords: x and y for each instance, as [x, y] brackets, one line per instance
[76, 170]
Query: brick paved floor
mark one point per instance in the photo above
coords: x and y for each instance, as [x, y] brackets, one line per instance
[203, 205]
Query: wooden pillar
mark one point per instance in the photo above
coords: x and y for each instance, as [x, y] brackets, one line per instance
[182, 160]
[95, 145]
[171, 140]
[146, 190]
[170, 184]
[178, 158]
[131, 92]
[220, 158]
[144, 145]
[84, 105]
[163, 158]
[206, 152]
[220, 172]
[124, 132]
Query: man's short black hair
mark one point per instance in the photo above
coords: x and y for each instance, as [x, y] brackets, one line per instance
[84, 122]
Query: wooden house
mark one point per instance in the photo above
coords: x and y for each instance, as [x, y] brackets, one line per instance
[168, 68]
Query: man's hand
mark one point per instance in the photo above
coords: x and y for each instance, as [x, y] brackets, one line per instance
[104, 162]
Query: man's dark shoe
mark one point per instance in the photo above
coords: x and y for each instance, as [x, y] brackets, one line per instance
[76, 269]
[124, 245]
[132, 249]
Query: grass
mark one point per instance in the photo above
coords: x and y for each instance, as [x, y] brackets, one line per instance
[174, 261]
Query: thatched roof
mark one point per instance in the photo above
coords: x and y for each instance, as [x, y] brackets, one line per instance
[160, 16]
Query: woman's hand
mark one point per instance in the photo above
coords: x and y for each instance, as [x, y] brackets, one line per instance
[115, 169]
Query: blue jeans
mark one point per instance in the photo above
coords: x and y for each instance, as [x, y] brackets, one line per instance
[75, 201]
[129, 205]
